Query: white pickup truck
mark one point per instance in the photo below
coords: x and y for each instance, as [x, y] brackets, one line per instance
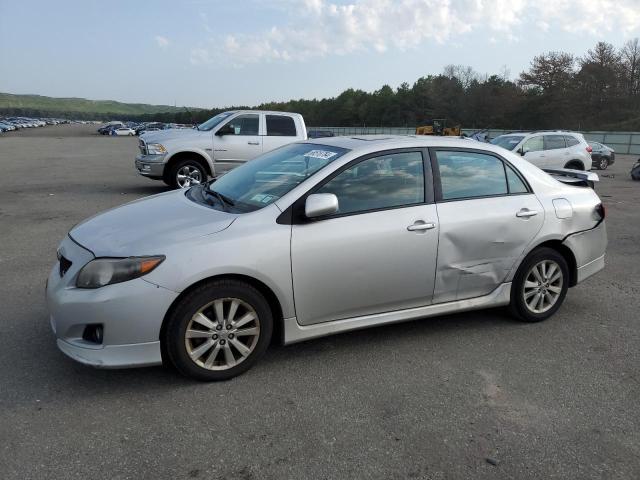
[182, 158]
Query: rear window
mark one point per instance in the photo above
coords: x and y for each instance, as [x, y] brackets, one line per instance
[280, 126]
[571, 141]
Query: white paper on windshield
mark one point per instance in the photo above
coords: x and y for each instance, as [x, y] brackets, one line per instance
[321, 154]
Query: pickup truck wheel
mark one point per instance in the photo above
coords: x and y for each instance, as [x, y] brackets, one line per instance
[185, 174]
[539, 286]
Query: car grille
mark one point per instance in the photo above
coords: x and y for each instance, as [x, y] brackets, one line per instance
[65, 265]
[143, 147]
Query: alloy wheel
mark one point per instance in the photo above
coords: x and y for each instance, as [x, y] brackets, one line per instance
[187, 176]
[222, 334]
[542, 286]
[604, 163]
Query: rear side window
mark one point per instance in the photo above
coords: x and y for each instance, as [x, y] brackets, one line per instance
[571, 141]
[280, 126]
[470, 174]
[554, 142]
[516, 185]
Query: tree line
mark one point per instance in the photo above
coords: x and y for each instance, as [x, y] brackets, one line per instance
[599, 90]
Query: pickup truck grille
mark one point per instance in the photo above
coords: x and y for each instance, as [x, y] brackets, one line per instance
[143, 147]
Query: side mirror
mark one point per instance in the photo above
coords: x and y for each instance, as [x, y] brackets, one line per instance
[320, 204]
[225, 130]
[521, 151]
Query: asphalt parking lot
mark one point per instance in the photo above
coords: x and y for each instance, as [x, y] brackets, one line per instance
[473, 395]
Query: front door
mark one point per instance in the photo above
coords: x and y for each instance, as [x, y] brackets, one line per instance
[488, 216]
[534, 152]
[378, 253]
[242, 142]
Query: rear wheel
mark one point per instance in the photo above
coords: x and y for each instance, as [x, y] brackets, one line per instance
[218, 331]
[540, 285]
[604, 163]
[185, 174]
[575, 165]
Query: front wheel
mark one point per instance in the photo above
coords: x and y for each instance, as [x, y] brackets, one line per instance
[540, 285]
[218, 331]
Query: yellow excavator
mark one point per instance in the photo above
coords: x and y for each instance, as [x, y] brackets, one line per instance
[439, 127]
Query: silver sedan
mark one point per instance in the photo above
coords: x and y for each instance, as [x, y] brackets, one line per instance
[317, 238]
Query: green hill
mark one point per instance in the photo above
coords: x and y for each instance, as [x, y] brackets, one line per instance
[38, 105]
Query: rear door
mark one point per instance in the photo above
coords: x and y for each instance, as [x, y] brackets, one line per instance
[280, 130]
[244, 143]
[556, 152]
[488, 215]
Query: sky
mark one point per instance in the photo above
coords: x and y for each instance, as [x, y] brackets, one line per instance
[217, 53]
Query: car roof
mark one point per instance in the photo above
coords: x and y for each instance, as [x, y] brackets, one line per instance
[383, 142]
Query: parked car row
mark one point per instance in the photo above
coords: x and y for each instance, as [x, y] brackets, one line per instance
[8, 124]
[117, 128]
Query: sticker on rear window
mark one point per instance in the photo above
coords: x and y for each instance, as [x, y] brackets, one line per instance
[322, 154]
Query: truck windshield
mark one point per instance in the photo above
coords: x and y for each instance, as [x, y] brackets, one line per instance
[264, 180]
[213, 121]
[507, 141]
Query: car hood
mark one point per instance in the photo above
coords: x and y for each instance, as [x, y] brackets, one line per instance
[147, 226]
[163, 136]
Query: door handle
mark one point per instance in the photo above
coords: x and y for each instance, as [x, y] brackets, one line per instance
[253, 143]
[526, 213]
[419, 227]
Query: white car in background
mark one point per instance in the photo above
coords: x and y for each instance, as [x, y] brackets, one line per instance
[123, 131]
[549, 149]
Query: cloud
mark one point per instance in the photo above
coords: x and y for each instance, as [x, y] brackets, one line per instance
[317, 28]
[162, 42]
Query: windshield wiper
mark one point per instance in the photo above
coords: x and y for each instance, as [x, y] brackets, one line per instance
[224, 200]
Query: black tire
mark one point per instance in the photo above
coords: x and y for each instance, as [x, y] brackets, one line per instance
[603, 163]
[518, 305]
[174, 341]
[171, 177]
[575, 165]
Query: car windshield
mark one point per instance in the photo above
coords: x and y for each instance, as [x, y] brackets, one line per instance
[213, 121]
[264, 180]
[507, 141]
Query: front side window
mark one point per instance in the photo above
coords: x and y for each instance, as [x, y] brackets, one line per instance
[244, 125]
[470, 174]
[260, 182]
[554, 142]
[387, 181]
[534, 144]
[280, 126]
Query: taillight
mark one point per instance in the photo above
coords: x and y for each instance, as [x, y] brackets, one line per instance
[589, 149]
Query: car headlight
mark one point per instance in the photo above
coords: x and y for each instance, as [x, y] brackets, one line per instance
[105, 271]
[156, 149]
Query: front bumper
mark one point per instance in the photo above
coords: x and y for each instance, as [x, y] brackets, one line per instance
[588, 248]
[130, 313]
[150, 165]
